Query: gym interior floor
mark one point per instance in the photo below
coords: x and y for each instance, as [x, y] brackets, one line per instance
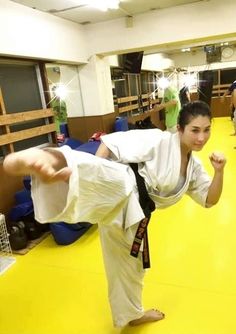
[62, 289]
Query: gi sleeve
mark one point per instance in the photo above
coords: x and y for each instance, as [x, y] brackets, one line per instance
[199, 184]
[134, 145]
[97, 191]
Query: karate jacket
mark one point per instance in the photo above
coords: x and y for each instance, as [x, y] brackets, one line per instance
[104, 191]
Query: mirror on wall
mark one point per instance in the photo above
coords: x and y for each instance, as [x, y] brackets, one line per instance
[207, 69]
[65, 92]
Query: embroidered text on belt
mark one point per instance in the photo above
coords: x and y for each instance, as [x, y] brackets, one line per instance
[148, 206]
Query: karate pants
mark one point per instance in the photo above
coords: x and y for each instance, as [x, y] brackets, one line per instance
[124, 275]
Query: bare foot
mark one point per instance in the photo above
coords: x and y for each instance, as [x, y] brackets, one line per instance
[49, 165]
[233, 134]
[149, 316]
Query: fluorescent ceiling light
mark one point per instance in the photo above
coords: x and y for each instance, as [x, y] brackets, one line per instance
[186, 50]
[103, 5]
[225, 43]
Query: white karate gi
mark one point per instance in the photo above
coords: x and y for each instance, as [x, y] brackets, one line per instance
[105, 192]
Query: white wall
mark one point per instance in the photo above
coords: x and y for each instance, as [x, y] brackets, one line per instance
[190, 22]
[26, 32]
[95, 82]
[198, 59]
[156, 62]
[187, 59]
[30, 33]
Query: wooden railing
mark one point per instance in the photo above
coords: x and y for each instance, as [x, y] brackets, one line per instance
[134, 105]
[218, 90]
[8, 137]
[128, 104]
[137, 108]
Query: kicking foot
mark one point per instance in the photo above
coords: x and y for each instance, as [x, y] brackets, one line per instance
[49, 165]
[149, 316]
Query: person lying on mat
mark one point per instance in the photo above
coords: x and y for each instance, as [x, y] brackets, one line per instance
[74, 186]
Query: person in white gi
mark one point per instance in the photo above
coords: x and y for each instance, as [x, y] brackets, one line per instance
[74, 186]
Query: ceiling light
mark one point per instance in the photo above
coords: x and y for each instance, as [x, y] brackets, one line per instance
[225, 43]
[186, 50]
[103, 5]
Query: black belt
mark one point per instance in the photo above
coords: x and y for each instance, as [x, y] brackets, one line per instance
[148, 206]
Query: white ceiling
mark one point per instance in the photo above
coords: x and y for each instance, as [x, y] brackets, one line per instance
[77, 11]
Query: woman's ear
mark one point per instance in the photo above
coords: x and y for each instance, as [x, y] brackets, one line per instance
[179, 129]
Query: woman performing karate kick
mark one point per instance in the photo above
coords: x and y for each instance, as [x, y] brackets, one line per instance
[74, 186]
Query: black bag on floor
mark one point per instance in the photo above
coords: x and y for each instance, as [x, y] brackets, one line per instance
[17, 236]
[33, 229]
[146, 123]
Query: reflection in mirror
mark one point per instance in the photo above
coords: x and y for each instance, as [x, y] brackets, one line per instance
[65, 93]
[189, 67]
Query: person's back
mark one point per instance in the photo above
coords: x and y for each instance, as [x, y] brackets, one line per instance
[184, 95]
[232, 87]
[232, 91]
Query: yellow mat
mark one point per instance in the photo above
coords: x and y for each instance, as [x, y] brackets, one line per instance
[62, 289]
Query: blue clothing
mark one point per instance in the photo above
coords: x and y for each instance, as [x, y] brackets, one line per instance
[232, 87]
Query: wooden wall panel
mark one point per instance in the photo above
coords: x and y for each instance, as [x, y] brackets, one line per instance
[94, 124]
[219, 108]
[82, 128]
[76, 128]
[153, 114]
[109, 122]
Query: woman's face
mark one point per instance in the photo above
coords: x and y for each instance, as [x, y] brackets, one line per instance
[196, 133]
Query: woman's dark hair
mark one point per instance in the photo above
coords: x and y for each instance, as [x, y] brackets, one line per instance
[192, 110]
